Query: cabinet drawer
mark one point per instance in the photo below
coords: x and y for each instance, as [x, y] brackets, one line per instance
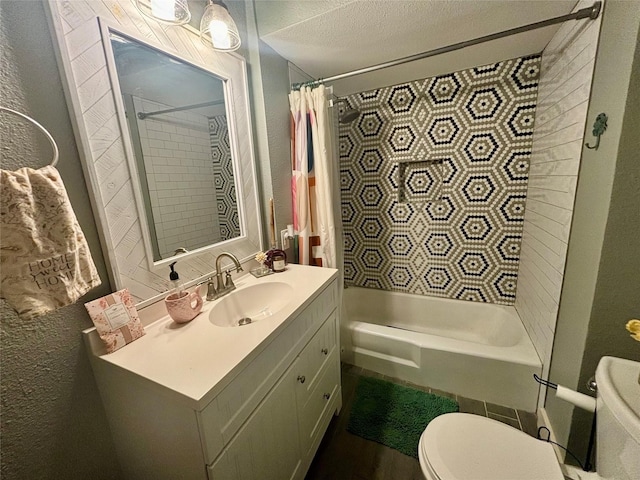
[321, 398]
[313, 358]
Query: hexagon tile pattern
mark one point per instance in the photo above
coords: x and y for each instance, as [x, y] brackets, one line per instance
[223, 175]
[455, 229]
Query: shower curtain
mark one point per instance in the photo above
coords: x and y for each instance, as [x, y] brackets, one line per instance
[311, 180]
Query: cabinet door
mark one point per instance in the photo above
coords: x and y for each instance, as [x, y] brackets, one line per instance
[266, 446]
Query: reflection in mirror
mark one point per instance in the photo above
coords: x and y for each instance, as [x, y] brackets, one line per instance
[178, 127]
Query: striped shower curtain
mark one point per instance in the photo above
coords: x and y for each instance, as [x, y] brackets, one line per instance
[311, 180]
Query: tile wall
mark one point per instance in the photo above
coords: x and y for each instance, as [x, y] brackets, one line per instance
[563, 97]
[223, 178]
[177, 158]
[434, 179]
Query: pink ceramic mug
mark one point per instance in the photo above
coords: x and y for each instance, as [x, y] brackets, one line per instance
[180, 306]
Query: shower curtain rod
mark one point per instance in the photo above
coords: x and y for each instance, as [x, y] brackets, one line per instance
[591, 12]
[143, 115]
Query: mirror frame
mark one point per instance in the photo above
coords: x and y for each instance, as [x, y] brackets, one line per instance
[105, 147]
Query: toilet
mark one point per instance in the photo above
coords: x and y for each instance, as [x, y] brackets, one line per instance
[461, 446]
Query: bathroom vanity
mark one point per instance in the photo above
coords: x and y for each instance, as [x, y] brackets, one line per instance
[213, 400]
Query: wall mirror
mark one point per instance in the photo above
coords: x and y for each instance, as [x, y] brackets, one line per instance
[163, 124]
[179, 136]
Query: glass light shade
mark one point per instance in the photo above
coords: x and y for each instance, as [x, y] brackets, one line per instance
[172, 12]
[217, 28]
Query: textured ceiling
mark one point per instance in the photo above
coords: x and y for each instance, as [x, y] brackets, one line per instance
[329, 37]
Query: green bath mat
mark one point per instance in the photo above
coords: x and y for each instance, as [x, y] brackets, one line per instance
[394, 415]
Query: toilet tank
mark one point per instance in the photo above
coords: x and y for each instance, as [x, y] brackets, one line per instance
[618, 419]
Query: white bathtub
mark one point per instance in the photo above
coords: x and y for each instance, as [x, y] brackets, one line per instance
[477, 350]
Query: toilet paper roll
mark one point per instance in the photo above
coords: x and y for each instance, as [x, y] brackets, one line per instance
[576, 398]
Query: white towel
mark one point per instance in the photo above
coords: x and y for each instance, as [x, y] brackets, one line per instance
[45, 262]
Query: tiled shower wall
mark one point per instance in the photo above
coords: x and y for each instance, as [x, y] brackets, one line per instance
[177, 159]
[223, 178]
[434, 180]
[563, 97]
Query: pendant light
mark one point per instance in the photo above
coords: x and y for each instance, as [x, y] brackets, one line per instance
[217, 28]
[171, 12]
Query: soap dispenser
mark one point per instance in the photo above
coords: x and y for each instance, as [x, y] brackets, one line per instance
[175, 280]
[181, 305]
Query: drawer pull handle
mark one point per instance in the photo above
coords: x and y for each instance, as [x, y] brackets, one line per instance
[301, 378]
[327, 396]
[325, 351]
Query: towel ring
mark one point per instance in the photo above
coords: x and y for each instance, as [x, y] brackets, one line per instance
[44, 130]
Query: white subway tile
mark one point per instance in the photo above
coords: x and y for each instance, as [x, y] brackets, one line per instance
[566, 151]
[562, 100]
[573, 113]
[555, 258]
[540, 289]
[558, 167]
[155, 143]
[550, 226]
[555, 183]
[560, 199]
[571, 132]
[557, 214]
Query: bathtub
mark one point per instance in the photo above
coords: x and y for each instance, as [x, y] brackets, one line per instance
[477, 350]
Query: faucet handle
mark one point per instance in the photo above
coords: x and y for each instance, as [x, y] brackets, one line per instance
[228, 281]
[211, 290]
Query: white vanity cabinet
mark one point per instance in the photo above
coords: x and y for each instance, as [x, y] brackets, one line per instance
[280, 437]
[262, 419]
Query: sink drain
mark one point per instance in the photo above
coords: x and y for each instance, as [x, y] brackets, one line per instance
[244, 321]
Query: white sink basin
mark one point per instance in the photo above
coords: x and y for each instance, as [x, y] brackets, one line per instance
[250, 304]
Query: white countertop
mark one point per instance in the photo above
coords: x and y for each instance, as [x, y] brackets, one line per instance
[198, 359]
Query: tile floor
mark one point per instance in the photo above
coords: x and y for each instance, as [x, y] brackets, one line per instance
[344, 456]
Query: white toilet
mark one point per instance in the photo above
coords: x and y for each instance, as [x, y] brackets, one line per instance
[460, 446]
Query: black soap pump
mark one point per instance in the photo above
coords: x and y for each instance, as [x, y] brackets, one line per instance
[175, 281]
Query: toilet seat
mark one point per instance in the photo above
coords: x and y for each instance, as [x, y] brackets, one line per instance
[461, 446]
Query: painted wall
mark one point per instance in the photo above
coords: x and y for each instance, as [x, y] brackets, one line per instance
[269, 89]
[275, 85]
[53, 422]
[600, 291]
[563, 99]
[450, 229]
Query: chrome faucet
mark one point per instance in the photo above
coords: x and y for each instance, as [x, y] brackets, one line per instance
[226, 286]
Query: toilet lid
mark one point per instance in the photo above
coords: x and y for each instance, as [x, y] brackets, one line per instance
[461, 446]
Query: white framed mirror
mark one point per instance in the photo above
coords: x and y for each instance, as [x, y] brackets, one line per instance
[178, 146]
[115, 61]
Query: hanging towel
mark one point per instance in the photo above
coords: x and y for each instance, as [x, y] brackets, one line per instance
[45, 262]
